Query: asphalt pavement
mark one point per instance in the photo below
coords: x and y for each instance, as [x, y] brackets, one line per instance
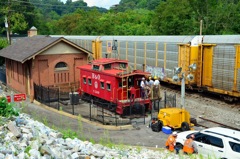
[138, 134]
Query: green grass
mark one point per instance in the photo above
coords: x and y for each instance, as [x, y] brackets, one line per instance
[27, 149]
[68, 133]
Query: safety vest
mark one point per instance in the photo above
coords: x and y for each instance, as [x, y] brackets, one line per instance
[170, 143]
[188, 148]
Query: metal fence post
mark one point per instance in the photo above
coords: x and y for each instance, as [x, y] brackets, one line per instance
[12, 97]
[48, 96]
[175, 102]
[72, 102]
[144, 114]
[103, 115]
[90, 105]
[153, 108]
[116, 118]
[58, 97]
[41, 87]
[165, 99]
[130, 113]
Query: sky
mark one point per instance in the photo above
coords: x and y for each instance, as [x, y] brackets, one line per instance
[100, 3]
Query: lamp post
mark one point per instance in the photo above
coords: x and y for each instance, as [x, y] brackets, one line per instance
[183, 91]
[190, 77]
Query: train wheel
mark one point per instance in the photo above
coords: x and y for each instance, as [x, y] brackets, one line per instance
[185, 126]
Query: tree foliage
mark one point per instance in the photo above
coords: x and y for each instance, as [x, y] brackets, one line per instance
[182, 17]
[3, 44]
[20, 15]
[172, 20]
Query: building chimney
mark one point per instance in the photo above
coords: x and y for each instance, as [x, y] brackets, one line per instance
[32, 31]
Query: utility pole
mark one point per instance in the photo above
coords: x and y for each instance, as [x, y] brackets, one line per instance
[201, 21]
[8, 23]
[6, 26]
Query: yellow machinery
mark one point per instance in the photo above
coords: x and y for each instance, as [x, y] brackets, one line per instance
[175, 118]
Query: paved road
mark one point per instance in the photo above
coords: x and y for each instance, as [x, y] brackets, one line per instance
[142, 136]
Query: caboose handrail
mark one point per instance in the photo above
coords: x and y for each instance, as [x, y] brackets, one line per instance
[119, 68]
[123, 73]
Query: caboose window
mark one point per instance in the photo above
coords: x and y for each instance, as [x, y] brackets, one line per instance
[102, 85]
[107, 67]
[108, 87]
[84, 80]
[95, 67]
[90, 81]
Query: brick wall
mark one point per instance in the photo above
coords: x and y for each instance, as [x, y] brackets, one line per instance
[16, 76]
[44, 71]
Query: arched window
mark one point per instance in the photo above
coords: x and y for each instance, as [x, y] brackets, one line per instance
[61, 66]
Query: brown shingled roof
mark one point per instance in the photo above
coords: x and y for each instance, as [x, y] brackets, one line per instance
[28, 47]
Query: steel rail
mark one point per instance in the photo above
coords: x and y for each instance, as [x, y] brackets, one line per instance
[220, 124]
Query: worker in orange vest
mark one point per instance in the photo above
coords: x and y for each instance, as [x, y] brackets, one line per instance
[171, 142]
[190, 146]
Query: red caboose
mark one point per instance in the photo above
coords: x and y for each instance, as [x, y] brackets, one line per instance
[109, 80]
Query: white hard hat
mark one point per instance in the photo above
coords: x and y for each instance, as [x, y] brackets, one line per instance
[174, 133]
[143, 78]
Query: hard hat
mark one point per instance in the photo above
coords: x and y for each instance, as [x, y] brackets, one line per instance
[155, 77]
[143, 78]
[150, 78]
[174, 133]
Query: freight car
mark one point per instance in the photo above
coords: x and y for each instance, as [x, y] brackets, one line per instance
[108, 80]
[217, 58]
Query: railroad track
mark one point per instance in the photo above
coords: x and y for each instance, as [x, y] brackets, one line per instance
[214, 110]
[207, 123]
[205, 97]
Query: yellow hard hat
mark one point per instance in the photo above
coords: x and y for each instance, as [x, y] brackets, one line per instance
[150, 78]
[155, 77]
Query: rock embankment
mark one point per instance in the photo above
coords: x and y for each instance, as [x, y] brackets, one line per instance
[23, 138]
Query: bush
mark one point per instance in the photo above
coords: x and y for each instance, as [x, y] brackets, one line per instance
[7, 109]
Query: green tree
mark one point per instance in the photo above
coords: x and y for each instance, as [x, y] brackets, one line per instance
[175, 17]
[152, 4]
[133, 22]
[20, 15]
[3, 44]
[219, 17]
[137, 4]
[19, 23]
[88, 23]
